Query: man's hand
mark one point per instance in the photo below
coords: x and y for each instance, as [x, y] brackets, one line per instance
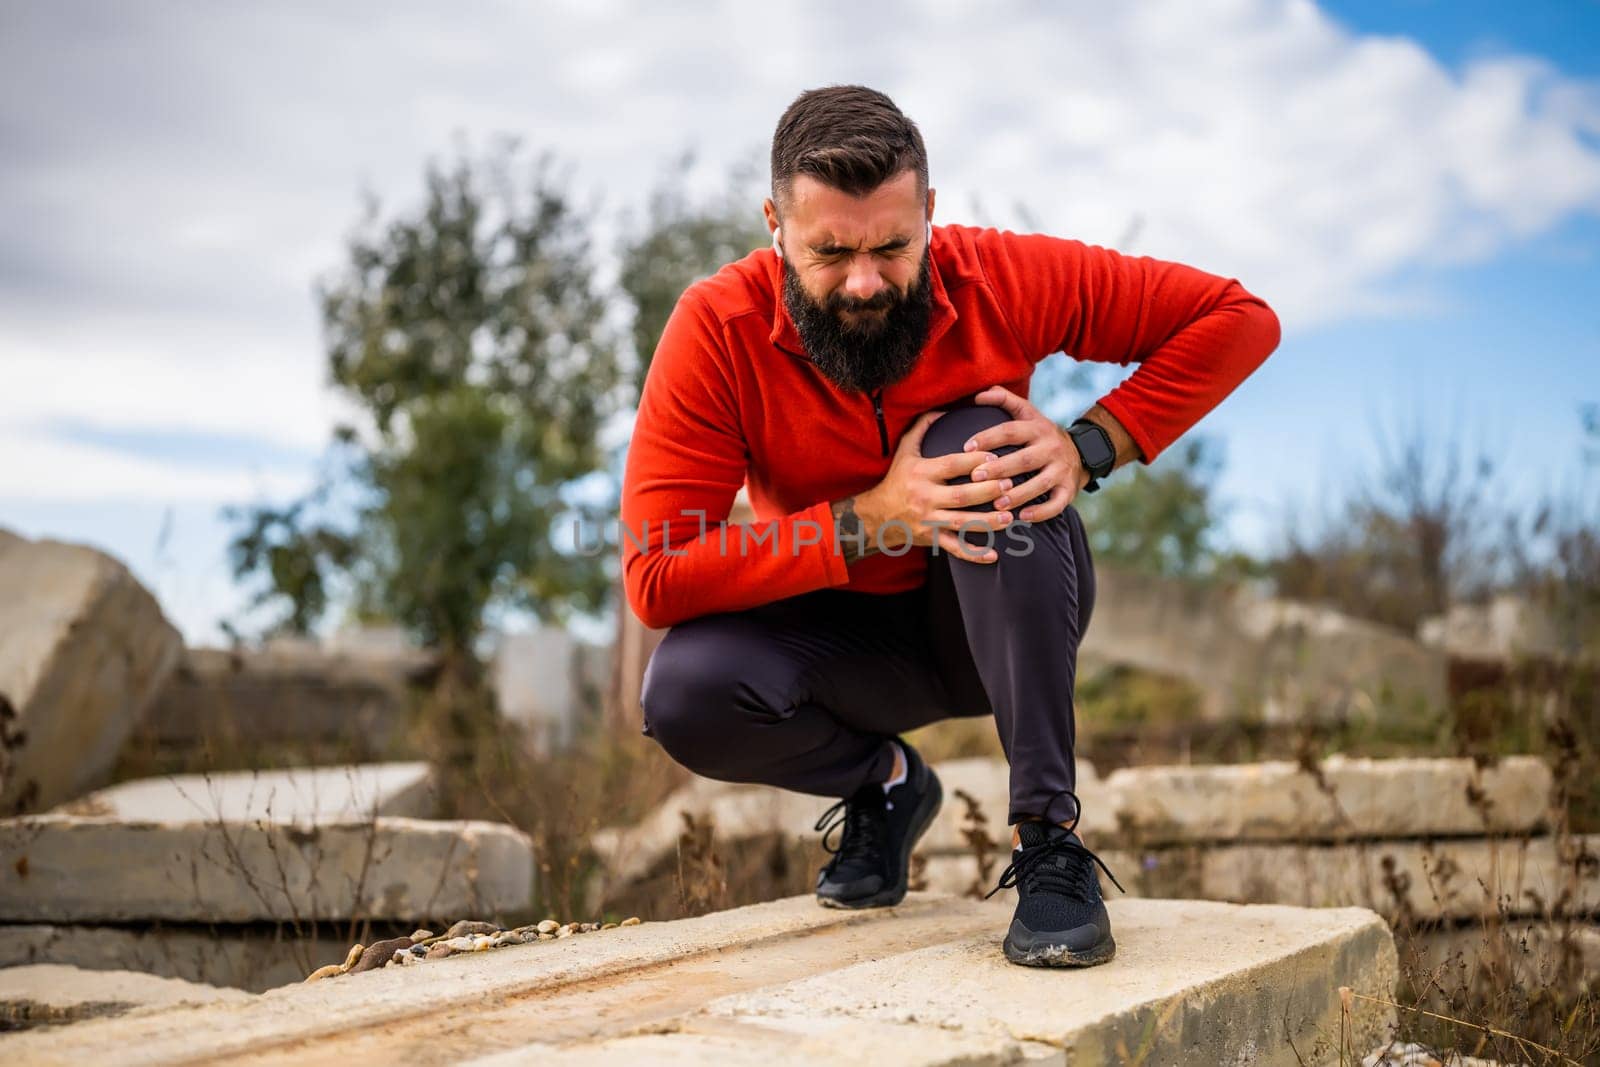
[914, 505]
[1044, 448]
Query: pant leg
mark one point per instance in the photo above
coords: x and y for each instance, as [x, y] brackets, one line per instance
[802, 693]
[1024, 616]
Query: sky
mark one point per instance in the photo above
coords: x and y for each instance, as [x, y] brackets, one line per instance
[1413, 186]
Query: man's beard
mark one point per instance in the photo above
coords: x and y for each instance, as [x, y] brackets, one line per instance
[874, 351]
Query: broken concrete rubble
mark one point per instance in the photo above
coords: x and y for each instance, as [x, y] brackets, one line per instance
[773, 981]
[1278, 801]
[1413, 880]
[301, 795]
[85, 650]
[74, 869]
[50, 994]
[252, 957]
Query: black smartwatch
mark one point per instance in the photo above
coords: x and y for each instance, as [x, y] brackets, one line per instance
[1094, 445]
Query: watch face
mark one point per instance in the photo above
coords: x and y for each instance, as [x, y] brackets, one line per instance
[1097, 456]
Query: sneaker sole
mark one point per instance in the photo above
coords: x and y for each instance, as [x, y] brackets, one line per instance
[1060, 955]
[886, 898]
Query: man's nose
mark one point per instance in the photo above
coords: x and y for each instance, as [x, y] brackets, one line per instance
[864, 280]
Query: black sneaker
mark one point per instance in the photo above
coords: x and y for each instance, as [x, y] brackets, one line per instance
[1060, 920]
[870, 863]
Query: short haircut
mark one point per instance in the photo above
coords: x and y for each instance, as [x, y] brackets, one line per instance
[846, 136]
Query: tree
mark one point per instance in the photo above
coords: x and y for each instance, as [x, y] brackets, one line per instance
[469, 335]
[1408, 542]
[1162, 519]
[680, 243]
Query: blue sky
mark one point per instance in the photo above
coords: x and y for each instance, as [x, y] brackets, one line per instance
[1414, 186]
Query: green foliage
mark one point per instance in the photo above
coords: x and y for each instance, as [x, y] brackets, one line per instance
[297, 559]
[1407, 542]
[1159, 519]
[680, 244]
[470, 337]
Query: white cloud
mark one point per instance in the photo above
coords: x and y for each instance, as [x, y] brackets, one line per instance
[176, 174]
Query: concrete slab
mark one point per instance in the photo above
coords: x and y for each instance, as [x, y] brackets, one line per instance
[1173, 995]
[47, 994]
[252, 958]
[925, 979]
[85, 650]
[1348, 798]
[1425, 880]
[743, 811]
[1136, 807]
[303, 795]
[74, 869]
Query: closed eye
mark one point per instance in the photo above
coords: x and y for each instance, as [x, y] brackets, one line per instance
[897, 245]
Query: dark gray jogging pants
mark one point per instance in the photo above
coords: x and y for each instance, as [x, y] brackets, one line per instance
[803, 693]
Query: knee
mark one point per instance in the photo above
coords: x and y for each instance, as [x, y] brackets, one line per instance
[680, 691]
[705, 680]
[949, 432]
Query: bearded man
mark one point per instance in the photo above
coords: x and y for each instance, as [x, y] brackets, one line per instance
[916, 554]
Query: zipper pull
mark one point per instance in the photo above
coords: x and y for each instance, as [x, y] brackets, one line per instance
[883, 429]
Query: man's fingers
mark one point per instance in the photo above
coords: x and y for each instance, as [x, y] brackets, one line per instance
[1042, 482]
[1012, 464]
[1012, 432]
[1052, 506]
[1000, 396]
[955, 546]
[966, 496]
[954, 465]
[976, 521]
[917, 431]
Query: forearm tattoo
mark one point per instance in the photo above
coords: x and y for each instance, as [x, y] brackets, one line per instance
[849, 532]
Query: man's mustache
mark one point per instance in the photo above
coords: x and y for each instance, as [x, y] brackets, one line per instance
[882, 300]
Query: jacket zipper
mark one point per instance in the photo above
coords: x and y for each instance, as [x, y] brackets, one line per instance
[883, 429]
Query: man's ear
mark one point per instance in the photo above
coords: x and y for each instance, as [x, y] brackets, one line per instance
[931, 194]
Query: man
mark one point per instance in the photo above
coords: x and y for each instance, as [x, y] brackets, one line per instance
[916, 554]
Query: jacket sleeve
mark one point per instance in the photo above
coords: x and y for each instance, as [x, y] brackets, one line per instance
[686, 460]
[1195, 336]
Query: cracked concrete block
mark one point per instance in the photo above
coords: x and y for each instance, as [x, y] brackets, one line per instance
[85, 648]
[74, 869]
[1355, 797]
[252, 957]
[49, 994]
[301, 795]
[924, 982]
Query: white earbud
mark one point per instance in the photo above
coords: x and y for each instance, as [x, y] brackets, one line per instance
[776, 247]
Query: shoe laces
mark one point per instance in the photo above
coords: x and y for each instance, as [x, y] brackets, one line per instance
[862, 829]
[1032, 871]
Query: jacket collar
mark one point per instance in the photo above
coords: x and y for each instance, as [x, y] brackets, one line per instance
[942, 315]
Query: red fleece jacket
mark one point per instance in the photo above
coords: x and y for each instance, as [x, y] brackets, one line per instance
[731, 399]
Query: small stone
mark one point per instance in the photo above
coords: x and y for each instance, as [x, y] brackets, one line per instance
[420, 935]
[380, 953]
[352, 956]
[565, 931]
[324, 972]
[549, 926]
[418, 951]
[467, 927]
[510, 937]
[440, 951]
[609, 926]
[546, 937]
[632, 920]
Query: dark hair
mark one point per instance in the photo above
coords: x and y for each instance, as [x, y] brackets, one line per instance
[846, 136]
